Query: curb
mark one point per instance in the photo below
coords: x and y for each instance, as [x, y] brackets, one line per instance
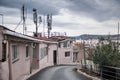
[91, 77]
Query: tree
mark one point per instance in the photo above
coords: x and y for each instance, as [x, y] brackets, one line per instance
[107, 53]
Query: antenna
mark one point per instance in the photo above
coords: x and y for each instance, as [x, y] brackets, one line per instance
[24, 14]
[43, 25]
[49, 23]
[23, 18]
[40, 20]
[118, 33]
[35, 20]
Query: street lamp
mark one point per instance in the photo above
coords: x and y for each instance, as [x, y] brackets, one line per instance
[2, 18]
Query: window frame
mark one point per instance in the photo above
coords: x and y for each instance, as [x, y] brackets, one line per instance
[4, 52]
[43, 52]
[15, 53]
[67, 54]
[27, 53]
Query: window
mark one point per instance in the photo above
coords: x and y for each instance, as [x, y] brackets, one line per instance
[3, 52]
[59, 45]
[75, 56]
[14, 52]
[27, 50]
[67, 54]
[43, 52]
[66, 44]
[34, 52]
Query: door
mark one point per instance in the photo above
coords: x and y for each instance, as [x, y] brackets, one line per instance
[75, 56]
[55, 57]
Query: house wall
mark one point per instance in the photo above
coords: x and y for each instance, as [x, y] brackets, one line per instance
[4, 66]
[79, 48]
[4, 71]
[21, 67]
[48, 59]
[1, 53]
[61, 54]
[80, 55]
[52, 48]
[43, 62]
[35, 58]
[1, 38]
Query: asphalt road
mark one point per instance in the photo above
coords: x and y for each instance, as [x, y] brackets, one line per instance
[58, 73]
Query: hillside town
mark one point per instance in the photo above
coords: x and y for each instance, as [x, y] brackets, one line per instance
[59, 40]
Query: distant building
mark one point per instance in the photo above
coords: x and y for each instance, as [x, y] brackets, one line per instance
[65, 49]
[78, 52]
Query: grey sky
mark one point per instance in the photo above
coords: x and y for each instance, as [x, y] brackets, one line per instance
[83, 14]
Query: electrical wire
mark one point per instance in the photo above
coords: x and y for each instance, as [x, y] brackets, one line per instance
[18, 25]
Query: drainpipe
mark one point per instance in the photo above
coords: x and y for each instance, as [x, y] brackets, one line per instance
[9, 62]
[57, 54]
[47, 52]
[0, 70]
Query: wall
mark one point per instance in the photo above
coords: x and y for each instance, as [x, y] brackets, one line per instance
[43, 61]
[21, 67]
[61, 55]
[52, 48]
[47, 60]
[35, 58]
[4, 66]
[1, 52]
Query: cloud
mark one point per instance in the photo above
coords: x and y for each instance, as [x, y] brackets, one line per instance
[100, 10]
[73, 16]
[43, 7]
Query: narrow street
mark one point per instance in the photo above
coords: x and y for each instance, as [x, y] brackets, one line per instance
[58, 73]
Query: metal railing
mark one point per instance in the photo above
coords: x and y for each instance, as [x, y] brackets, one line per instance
[104, 72]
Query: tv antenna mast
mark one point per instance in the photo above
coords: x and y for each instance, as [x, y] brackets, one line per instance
[49, 23]
[35, 19]
[23, 18]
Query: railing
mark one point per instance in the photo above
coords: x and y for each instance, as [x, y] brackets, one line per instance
[105, 72]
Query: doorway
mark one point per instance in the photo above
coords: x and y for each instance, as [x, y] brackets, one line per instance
[55, 57]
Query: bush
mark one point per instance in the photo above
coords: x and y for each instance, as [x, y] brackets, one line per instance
[107, 53]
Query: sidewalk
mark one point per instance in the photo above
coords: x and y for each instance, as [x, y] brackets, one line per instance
[91, 77]
[29, 75]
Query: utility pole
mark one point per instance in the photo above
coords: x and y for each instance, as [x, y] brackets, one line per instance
[118, 32]
[84, 53]
[118, 37]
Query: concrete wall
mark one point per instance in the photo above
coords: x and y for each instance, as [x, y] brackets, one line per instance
[21, 67]
[5, 66]
[48, 59]
[43, 62]
[52, 48]
[1, 38]
[35, 57]
[61, 54]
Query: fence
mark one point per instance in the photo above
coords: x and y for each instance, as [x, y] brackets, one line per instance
[104, 72]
